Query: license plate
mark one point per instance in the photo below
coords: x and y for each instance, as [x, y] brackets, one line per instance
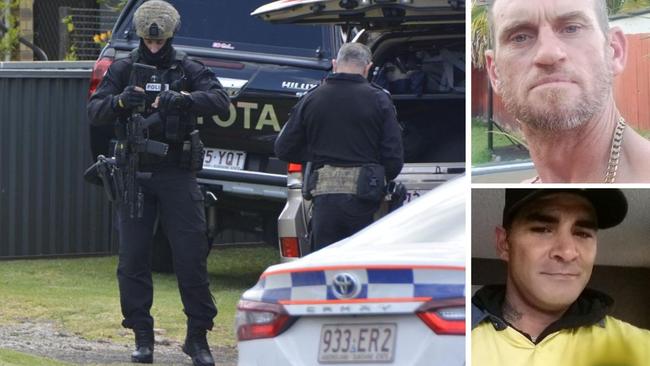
[224, 159]
[412, 194]
[357, 343]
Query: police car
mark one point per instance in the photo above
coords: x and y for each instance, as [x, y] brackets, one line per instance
[393, 294]
[419, 56]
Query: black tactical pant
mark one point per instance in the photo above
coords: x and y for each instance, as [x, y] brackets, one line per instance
[337, 216]
[174, 194]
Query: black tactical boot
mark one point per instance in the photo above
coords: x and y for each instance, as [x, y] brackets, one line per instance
[143, 345]
[196, 346]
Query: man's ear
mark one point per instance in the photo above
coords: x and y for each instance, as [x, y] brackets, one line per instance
[502, 245]
[492, 70]
[618, 44]
[367, 69]
[334, 66]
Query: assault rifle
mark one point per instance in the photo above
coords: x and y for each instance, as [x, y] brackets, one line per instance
[120, 174]
[127, 151]
[127, 159]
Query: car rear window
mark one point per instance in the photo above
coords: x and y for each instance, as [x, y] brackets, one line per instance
[228, 25]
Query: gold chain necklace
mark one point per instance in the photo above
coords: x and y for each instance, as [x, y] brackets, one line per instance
[615, 152]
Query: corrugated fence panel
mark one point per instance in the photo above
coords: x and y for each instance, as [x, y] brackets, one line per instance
[480, 101]
[633, 87]
[479, 92]
[46, 208]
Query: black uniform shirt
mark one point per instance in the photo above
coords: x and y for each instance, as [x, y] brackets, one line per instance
[344, 121]
[208, 96]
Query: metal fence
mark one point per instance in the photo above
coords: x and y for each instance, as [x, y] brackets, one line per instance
[47, 23]
[45, 206]
[83, 32]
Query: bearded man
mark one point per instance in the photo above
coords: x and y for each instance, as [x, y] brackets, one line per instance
[553, 63]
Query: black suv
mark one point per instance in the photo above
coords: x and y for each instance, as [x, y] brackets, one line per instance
[418, 50]
[264, 68]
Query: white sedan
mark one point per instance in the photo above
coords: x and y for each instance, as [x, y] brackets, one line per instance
[393, 294]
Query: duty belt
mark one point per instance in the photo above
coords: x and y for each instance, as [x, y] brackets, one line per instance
[174, 157]
[336, 179]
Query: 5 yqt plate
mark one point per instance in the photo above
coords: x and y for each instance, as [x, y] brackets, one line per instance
[223, 159]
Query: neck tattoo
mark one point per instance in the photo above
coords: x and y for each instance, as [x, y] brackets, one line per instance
[510, 314]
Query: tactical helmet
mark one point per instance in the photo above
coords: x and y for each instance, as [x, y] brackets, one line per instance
[156, 19]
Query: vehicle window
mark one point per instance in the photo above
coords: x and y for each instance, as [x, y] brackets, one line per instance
[228, 25]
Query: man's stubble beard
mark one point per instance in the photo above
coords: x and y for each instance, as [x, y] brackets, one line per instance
[558, 113]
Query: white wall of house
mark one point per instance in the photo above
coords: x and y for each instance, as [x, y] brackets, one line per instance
[635, 24]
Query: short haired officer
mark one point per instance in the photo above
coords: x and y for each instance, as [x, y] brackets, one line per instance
[172, 195]
[347, 128]
[544, 315]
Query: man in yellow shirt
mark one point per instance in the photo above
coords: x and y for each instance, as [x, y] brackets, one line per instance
[544, 315]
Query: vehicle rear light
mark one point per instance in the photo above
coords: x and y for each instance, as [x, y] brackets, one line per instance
[99, 70]
[289, 247]
[257, 320]
[444, 317]
[294, 168]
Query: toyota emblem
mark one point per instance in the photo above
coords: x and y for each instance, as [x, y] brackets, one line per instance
[345, 286]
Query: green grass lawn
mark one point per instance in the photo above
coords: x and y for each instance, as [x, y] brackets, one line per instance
[12, 358]
[81, 295]
[480, 152]
[645, 133]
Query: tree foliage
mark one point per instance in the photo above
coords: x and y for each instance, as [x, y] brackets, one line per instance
[115, 5]
[480, 34]
[626, 6]
[9, 40]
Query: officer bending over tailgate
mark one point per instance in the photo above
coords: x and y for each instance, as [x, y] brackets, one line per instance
[347, 129]
[172, 195]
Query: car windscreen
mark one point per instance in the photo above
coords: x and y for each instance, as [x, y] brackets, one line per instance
[228, 25]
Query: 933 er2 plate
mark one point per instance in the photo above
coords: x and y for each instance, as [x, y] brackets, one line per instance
[357, 343]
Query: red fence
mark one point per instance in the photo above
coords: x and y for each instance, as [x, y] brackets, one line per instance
[632, 88]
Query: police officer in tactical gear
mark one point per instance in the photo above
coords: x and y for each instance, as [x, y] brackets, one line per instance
[171, 195]
[347, 129]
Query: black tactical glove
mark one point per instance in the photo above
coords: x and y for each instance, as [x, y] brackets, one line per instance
[129, 99]
[172, 100]
[398, 193]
